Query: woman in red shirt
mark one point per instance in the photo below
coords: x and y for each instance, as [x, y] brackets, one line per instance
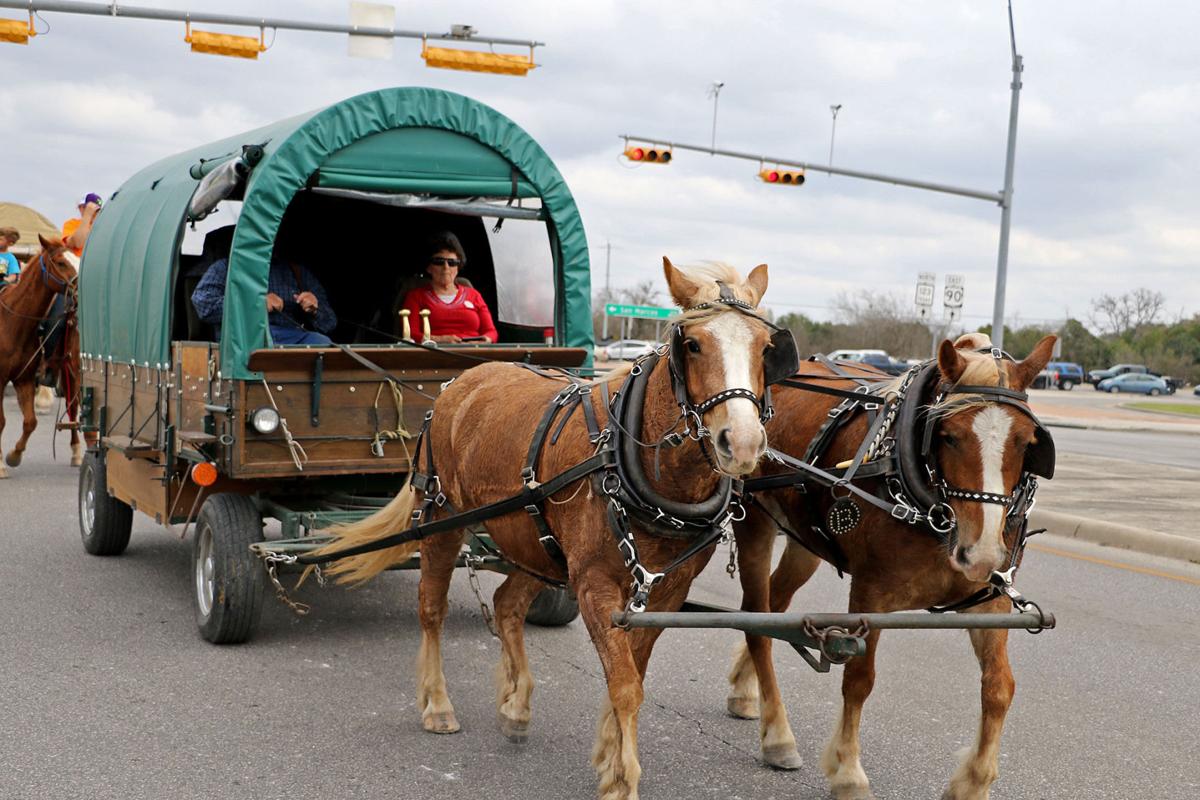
[456, 313]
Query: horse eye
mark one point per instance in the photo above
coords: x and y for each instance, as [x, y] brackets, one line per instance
[949, 440]
[692, 345]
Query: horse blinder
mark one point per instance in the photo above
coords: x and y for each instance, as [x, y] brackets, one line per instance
[1040, 456]
[782, 358]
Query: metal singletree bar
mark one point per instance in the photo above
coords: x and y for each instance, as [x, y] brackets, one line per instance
[143, 12]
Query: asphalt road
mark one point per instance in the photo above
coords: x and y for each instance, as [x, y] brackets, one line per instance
[107, 692]
[1169, 449]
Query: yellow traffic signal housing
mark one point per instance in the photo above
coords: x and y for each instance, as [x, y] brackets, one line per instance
[17, 31]
[478, 60]
[224, 44]
[781, 176]
[649, 155]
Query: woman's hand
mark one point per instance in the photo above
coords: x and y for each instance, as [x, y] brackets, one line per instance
[447, 338]
[274, 302]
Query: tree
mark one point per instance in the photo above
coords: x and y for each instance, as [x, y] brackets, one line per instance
[1126, 314]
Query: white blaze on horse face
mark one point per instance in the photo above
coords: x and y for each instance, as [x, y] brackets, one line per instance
[991, 427]
[735, 337]
[73, 260]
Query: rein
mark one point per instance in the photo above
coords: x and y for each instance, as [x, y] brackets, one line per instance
[615, 467]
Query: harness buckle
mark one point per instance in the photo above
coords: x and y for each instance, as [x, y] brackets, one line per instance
[835, 412]
[529, 478]
[532, 510]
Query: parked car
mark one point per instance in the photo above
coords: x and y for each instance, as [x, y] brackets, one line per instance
[882, 361]
[628, 349]
[1196, 391]
[1137, 382]
[1097, 375]
[854, 355]
[1065, 375]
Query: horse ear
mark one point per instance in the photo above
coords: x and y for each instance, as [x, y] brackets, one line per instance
[757, 282]
[683, 288]
[1027, 370]
[46, 243]
[950, 361]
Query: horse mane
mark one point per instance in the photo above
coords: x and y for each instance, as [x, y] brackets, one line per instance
[707, 274]
[981, 370]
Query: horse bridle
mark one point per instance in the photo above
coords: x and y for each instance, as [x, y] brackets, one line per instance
[782, 360]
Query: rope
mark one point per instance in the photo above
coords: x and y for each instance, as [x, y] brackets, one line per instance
[294, 447]
[400, 433]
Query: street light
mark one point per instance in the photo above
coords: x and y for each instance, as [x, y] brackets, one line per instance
[833, 110]
[714, 92]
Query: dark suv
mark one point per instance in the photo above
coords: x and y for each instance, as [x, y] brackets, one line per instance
[1065, 375]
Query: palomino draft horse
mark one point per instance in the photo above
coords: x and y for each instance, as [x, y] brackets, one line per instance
[22, 308]
[984, 446]
[691, 422]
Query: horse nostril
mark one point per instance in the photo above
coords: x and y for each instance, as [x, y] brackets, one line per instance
[722, 442]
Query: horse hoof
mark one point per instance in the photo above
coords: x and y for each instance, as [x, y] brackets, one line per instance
[76, 461]
[853, 793]
[441, 722]
[742, 707]
[516, 731]
[13, 459]
[3, 474]
[782, 757]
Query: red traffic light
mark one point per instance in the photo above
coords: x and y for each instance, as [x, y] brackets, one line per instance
[650, 155]
[788, 177]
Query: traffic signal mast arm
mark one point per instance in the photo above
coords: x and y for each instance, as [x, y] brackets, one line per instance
[142, 12]
[995, 197]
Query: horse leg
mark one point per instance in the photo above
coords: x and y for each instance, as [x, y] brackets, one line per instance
[795, 568]
[840, 761]
[43, 400]
[3, 469]
[73, 418]
[981, 765]
[514, 683]
[614, 754]
[438, 556]
[25, 398]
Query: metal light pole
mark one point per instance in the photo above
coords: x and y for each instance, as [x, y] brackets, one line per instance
[714, 92]
[1006, 196]
[607, 287]
[833, 131]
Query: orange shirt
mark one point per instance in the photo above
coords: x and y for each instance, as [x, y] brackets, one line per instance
[69, 227]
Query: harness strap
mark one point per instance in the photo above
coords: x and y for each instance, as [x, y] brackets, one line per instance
[601, 460]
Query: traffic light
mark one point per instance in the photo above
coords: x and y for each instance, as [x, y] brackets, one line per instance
[651, 155]
[17, 31]
[224, 44]
[478, 60]
[782, 176]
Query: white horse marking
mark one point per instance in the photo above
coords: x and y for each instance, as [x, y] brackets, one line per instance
[733, 333]
[991, 427]
[72, 259]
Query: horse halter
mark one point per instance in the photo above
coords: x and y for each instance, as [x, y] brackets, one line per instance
[47, 276]
[782, 360]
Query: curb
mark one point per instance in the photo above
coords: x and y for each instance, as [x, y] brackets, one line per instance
[1111, 534]
[1182, 429]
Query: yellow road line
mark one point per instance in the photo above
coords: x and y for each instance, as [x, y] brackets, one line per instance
[1114, 564]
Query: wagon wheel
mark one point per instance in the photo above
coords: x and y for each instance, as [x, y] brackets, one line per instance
[104, 521]
[228, 580]
[552, 608]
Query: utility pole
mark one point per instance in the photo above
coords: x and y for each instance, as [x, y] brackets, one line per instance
[833, 131]
[1018, 67]
[607, 286]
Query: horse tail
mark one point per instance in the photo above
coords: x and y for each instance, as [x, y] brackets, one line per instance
[394, 517]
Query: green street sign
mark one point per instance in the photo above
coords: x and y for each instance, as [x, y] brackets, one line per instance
[638, 312]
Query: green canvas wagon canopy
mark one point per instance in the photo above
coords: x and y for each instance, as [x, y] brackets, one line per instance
[400, 140]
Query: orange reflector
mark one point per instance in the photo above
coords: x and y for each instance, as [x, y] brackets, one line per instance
[204, 474]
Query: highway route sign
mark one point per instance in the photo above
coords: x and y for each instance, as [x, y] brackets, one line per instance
[952, 297]
[924, 299]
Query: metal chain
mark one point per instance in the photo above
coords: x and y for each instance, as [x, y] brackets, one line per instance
[825, 637]
[271, 559]
[470, 560]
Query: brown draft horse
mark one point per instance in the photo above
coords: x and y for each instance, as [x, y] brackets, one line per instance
[893, 566]
[481, 430]
[22, 307]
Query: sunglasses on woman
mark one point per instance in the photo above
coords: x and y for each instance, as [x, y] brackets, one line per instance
[440, 261]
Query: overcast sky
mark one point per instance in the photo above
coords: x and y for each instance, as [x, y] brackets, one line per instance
[1107, 169]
